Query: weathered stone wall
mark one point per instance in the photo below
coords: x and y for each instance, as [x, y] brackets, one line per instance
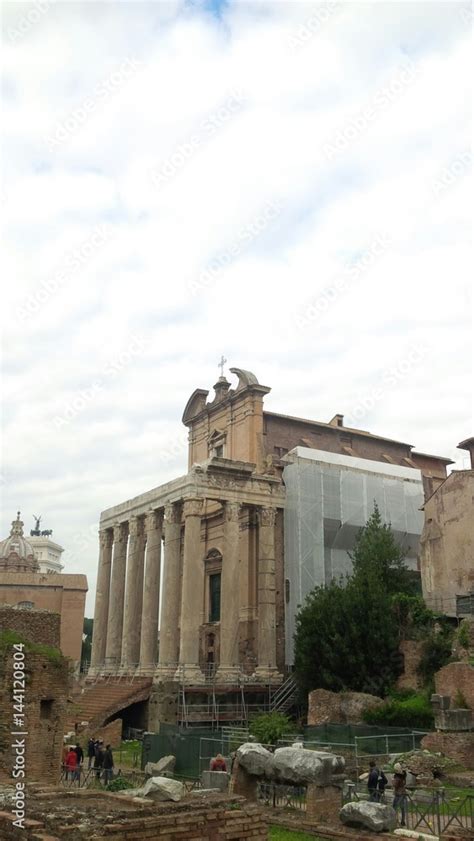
[325, 707]
[447, 542]
[412, 653]
[111, 734]
[454, 678]
[39, 626]
[457, 746]
[226, 819]
[45, 699]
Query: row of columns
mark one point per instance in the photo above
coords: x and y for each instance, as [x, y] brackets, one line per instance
[128, 593]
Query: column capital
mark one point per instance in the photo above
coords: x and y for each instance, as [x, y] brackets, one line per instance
[154, 520]
[172, 513]
[135, 526]
[267, 516]
[193, 507]
[120, 532]
[232, 511]
[106, 538]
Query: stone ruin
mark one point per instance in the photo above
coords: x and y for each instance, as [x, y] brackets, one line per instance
[448, 718]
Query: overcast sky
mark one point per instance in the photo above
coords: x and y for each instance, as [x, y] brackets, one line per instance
[284, 183]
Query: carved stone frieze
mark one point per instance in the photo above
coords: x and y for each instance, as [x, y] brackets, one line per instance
[267, 516]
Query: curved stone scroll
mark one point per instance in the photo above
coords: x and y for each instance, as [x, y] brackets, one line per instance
[246, 378]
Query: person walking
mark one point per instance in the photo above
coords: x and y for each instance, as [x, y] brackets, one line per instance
[400, 792]
[108, 764]
[381, 786]
[80, 760]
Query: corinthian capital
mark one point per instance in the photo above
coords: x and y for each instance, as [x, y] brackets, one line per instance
[267, 516]
[120, 532]
[193, 507]
[232, 511]
[135, 526]
[105, 538]
[172, 513]
[153, 520]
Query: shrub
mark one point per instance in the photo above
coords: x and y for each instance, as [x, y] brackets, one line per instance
[414, 711]
[269, 727]
[463, 635]
[436, 654]
[119, 784]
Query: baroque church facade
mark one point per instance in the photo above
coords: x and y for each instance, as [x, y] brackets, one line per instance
[214, 541]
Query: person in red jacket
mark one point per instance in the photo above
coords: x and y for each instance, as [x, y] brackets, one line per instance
[71, 763]
[218, 763]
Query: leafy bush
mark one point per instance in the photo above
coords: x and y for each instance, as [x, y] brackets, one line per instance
[119, 784]
[269, 727]
[436, 653]
[414, 711]
[463, 635]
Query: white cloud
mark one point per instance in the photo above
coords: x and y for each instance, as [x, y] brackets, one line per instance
[126, 436]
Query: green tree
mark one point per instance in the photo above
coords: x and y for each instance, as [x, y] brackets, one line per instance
[269, 727]
[347, 633]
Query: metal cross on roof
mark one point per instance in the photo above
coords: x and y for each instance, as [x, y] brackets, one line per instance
[221, 364]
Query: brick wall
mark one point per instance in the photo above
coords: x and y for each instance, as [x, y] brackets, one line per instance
[226, 819]
[45, 700]
[39, 626]
[457, 746]
[325, 707]
[412, 652]
[456, 677]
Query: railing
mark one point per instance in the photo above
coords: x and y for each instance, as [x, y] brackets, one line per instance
[281, 796]
[424, 810]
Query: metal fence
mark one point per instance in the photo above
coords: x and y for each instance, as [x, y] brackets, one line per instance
[425, 810]
[282, 796]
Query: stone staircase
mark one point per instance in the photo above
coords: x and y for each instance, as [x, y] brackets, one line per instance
[99, 700]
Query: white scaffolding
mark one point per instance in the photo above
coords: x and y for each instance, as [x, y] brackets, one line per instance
[329, 497]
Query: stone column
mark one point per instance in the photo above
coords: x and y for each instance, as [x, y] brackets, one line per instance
[132, 617]
[170, 602]
[266, 669]
[192, 595]
[117, 597]
[151, 591]
[228, 670]
[101, 612]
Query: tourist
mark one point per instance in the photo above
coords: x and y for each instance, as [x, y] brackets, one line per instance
[108, 764]
[80, 760]
[91, 751]
[400, 792]
[218, 763]
[381, 786]
[99, 758]
[71, 763]
[372, 781]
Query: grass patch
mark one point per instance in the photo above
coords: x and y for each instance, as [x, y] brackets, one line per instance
[279, 833]
[129, 754]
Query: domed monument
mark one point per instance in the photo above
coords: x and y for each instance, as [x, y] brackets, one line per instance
[17, 553]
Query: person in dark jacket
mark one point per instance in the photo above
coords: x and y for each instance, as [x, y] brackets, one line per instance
[108, 764]
[373, 780]
[99, 758]
[91, 751]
